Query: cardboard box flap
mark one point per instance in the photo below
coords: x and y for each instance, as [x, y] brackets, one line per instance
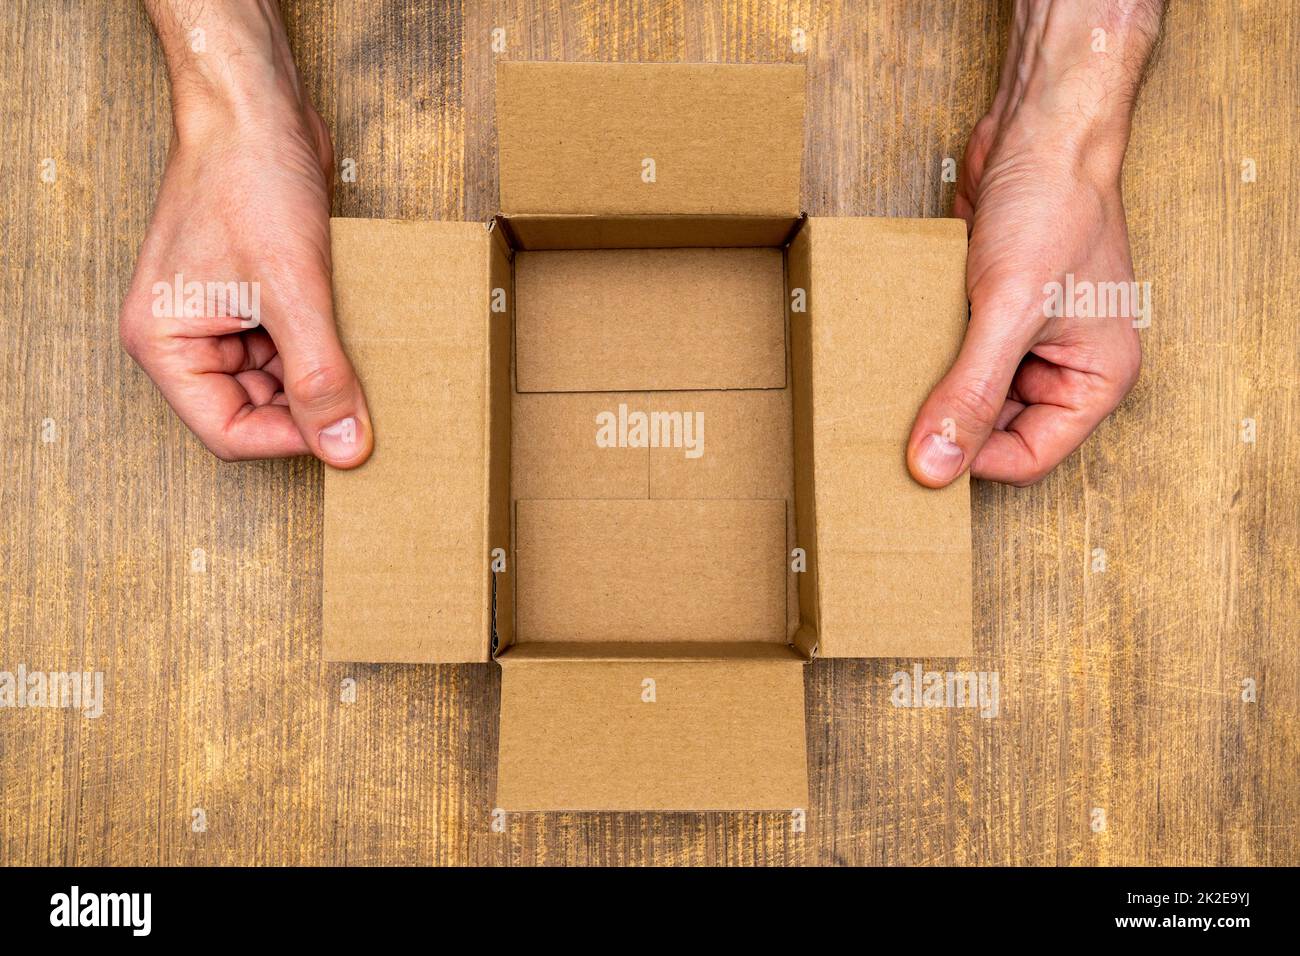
[407, 536]
[650, 138]
[652, 734]
[889, 559]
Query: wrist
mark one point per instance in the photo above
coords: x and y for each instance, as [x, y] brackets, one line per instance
[1073, 71]
[229, 65]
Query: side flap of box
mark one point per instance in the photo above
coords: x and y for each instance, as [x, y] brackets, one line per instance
[652, 735]
[887, 312]
[650, 138]
[408, 535]
[500, 428]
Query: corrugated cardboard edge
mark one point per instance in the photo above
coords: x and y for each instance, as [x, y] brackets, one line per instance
[798, 266]
[593, 651]
[529, 233]
[498, 439]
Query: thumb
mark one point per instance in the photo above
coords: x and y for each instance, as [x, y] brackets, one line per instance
[962, 410]
[325, 397]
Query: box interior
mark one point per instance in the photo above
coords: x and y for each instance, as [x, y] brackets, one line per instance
[651, 430]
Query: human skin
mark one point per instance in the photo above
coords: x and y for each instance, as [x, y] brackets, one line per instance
[246, 196]
[1039, 189]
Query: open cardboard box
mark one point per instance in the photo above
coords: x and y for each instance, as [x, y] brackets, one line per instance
[651, 607]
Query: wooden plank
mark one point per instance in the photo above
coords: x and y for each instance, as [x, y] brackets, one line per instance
[1120, 690]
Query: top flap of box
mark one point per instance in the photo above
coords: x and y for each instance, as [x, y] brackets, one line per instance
[886, 312]
[653, 733]
[650, 138]
[406, 572]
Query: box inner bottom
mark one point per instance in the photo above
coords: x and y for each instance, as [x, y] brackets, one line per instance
[660, 510]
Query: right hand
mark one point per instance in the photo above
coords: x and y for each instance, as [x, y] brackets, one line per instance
[1040, 190]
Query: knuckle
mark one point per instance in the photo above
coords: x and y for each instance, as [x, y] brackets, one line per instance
[976, 401]
[131, 330]
[1129, 373]
[324, 386]
[222, 449]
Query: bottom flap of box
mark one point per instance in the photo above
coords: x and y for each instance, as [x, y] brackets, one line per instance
[652, 735]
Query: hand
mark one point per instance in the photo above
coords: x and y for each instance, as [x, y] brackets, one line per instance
[255, 369]
[1040, 191]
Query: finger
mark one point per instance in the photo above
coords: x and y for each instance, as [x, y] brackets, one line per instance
[182, 305]
[240, 353]
[324, 395]
[963, 408]
[1039, 382]
[1035, 442]
[222, 413]
[1010, 409]
[1063, 407]
[275, 367]
[264, 431]
[260, 386]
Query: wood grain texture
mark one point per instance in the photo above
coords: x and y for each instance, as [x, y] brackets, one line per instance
[1120, 690]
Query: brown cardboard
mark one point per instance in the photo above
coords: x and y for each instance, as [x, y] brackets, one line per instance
[650, 571]
[748, 453]
[488, 355]
[555, 452]
[713, 735]
[682, 651]
[406, 573]
[534, 233]
[639, 319]
[886, 312]
[747, 446]
[501, 316]
[798, 276]
[725, 139]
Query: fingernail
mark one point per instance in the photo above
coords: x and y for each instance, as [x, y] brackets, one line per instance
[939, 458]
[341, 441]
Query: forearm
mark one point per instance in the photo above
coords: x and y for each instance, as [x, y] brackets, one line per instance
[224, 60]
[1072, 73]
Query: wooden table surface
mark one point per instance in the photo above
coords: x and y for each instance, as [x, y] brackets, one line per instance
[1121, 690]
